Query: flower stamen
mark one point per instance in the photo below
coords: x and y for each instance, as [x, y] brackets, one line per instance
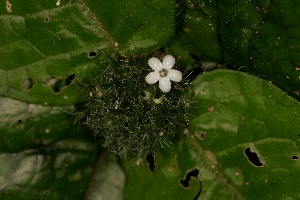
[163, 73]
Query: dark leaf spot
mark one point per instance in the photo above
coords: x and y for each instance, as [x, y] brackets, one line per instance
[151, 161]
[8, 6]
[185, 183]
[27, 83]
[253, 158]
[37, 141]
[46, 19]
[295, 157]
[92, 54]
[20, 121]
[211, 108]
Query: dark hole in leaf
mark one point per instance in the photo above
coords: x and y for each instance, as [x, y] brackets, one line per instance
[151, 161]
[70, 79]
[185, 183]
[46, 19]
[295, 157]
[27, 83]
[253, 158]
[20, 121]
[56, 83]
[92, 54]
[202, 136]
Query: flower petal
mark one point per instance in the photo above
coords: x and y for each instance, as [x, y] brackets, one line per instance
[175, 75]
[154, 63]
[152, 77]
[168, 61]
[165, 84]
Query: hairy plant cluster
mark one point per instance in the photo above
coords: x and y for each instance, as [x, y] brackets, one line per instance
[127, 114]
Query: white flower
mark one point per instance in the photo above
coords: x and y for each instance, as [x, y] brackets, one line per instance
[163, 73]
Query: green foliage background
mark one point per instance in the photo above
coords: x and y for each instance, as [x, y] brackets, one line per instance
[46, 46]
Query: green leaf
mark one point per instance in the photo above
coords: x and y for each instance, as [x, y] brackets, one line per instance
[163, 183]
[251, 129]
[108, 179]
[184, 171]
[261, 37]
[60, 171]
[200, 27]
[25, 125]
[44, 47]
[42, 153]
[144, 25]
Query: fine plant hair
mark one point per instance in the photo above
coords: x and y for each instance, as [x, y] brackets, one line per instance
[127, 115]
